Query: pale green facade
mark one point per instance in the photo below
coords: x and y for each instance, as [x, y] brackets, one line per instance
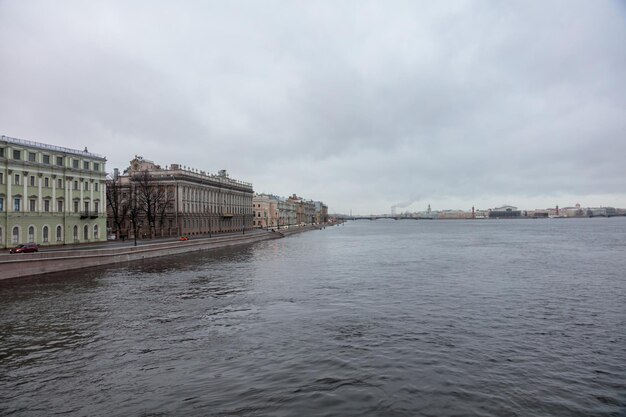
[50, 195]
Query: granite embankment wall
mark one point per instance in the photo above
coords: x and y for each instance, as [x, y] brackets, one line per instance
[29, 264]
[23, 265]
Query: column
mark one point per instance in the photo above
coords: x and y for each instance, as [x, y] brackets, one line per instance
[81, 186]
[54, 197]
[25, 198]
[68, 187]
[103, 199]
[9, 194]
[39, 196]
[91, 204]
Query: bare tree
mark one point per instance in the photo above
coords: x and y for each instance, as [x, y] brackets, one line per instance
[168, 199]
[134, 211]
[118, 205]
[152, 199]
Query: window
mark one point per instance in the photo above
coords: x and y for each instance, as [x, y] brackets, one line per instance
[59, 234]
[1, 178]
[86, 205]
[1, 207]
[17, 179]
[15, 235]
[60, 206]
[1, 156]
[46, 206]
[32, 156]
[32, 180]
[31, 234]
[59, 183]
[96, 186]
[16, 204]
[76, 185]
[46, 182]
[17, 154]
[45, 234]
[96, 166]
[46, 159]
[86, 232]
[32, 205]
[96, 206]
[95, 231]
[75, 206]
[86, 186]
[75, 163]
[75, 232]
[59, 160]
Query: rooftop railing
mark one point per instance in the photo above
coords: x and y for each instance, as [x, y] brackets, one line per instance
[203, 175]
[40, 145]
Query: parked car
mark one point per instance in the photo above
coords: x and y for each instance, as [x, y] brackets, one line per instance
[25, 248]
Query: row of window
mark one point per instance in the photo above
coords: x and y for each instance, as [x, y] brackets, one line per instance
[207, 223]
[32, 205]
[196, 208]
[46, 159]
[45, 234]
[32, 181]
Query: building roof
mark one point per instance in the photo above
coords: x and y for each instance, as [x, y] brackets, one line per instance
[52, 148]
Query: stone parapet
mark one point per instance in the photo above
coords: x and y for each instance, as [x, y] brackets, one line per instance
[23, 265]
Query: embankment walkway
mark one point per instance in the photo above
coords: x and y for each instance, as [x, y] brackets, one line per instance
[29, 264]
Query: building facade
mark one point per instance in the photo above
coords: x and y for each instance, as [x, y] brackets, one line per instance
[50, 195]
[190, 201]
[270, 211]
[505, 212]
[261, 216]
[305, 210]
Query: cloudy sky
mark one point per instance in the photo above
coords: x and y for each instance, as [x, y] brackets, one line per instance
[361, 104]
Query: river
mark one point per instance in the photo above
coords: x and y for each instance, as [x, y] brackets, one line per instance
[372, 318]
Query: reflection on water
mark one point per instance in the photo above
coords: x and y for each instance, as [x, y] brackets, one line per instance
[373, 318]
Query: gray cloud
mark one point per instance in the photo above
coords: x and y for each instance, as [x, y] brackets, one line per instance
[362, 105]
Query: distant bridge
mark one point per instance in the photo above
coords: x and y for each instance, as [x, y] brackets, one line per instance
[376, 217]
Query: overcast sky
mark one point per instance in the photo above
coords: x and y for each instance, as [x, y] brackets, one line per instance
[360, 104]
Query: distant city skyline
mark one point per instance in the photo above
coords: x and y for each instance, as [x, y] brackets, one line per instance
[360, 105]
[438, 206]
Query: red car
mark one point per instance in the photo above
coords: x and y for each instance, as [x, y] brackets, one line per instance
[25, 248]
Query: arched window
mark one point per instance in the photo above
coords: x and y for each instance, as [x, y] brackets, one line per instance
[45, 234]
[59, 234]
[15, 235]
[95, 232]
[86, 232]
[31, 234]
[75, 232]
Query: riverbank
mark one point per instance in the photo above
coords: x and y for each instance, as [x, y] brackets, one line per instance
[30, 264]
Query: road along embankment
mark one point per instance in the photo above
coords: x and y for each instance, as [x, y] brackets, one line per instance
[29, 264]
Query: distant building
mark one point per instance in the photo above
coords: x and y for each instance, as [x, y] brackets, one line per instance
[601, 212]
[505, 212]
[274, 211]
[305, 209]
[455, 215]
[261, 212]
[321, 212]
[50, 195]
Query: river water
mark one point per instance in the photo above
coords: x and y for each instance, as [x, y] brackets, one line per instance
[373, 318]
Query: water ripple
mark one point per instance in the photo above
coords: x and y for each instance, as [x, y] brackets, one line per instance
[372, 318]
